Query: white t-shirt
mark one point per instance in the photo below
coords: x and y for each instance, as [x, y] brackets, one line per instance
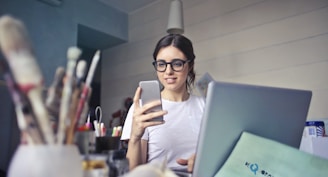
[177, 137]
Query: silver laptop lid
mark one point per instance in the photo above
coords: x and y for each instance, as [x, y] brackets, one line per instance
[275, 113]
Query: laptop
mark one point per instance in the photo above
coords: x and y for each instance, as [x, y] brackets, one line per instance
[275, 113]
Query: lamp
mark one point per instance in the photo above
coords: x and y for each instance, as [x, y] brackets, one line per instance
[175, 22]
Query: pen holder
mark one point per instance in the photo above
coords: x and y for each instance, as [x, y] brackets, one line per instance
[106, 143]
[46, 160]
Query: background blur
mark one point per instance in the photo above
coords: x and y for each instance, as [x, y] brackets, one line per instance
[281, 43]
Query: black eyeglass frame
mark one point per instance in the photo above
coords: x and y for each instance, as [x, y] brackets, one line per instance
[170, 63]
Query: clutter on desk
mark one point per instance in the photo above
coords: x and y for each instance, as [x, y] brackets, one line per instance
[117, 131]
[55, 119]
[202, 84]
[315, 139]
[100, 129]
[95, 165]
[151, 170]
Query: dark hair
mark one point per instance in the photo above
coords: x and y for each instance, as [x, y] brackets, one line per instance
[185, 46]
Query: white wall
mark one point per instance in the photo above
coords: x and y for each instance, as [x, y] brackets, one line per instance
[280, 43]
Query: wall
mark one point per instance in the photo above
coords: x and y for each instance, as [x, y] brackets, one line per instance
[52, 30]
[268, 42]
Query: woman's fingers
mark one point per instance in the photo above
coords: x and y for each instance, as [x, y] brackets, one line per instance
[145, 108]
[136, 98]
[142, 110]
[188, 162]
[182, 161]
[141, 118]
[149, 116]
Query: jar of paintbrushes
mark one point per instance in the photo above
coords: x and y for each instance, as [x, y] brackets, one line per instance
[47, 123]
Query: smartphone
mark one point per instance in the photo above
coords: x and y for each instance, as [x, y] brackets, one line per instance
[150, 91]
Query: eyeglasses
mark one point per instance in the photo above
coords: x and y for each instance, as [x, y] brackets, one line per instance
[176, 65]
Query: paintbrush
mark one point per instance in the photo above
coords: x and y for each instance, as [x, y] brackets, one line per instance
[25, 120]
[54, 95]
[81, 69]
[73, 53]
[87, 87]
[16, 47]
[80, 73]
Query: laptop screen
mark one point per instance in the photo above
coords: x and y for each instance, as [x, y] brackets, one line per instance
[275, 113]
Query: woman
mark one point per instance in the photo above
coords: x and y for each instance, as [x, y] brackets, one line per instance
[174, 139]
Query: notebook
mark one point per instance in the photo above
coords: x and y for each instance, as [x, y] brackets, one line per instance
[275, 113]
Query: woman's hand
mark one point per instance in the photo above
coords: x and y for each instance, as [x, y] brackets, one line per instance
[141, 119]
[188, 162]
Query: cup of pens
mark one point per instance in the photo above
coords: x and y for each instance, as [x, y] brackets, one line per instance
[109, 142]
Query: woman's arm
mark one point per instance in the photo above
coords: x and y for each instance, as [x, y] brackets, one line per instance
[137, 152]
[137, 147]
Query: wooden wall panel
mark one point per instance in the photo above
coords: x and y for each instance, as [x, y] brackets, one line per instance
[268, 42]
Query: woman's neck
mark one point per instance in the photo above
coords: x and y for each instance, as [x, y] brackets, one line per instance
[176, 96]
